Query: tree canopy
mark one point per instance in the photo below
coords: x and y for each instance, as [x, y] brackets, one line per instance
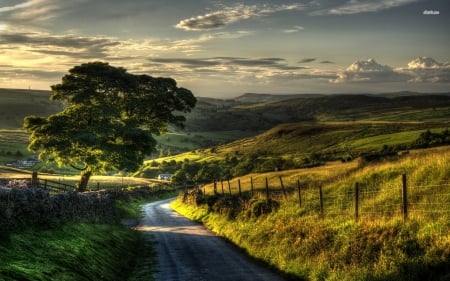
[108, 119]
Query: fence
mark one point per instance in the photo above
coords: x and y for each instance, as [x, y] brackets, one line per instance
[357, 201]
[50, 184]
[59, 185]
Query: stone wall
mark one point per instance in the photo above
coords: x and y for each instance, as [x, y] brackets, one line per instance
[24, 207]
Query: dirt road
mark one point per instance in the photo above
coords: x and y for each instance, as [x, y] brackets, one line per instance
[187, 251]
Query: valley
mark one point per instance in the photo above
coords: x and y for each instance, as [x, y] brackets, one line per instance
[253, 143]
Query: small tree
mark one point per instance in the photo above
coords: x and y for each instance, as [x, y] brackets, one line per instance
[108, 119]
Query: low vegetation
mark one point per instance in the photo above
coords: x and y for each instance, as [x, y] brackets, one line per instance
[378, 246]
[82, 251]
[70, 252]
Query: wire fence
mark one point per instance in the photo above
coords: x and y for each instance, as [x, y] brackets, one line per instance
[359, 201]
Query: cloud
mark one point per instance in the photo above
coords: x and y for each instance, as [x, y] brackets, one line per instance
[362, 6]
[232, 14]
[194, 44]
[33, 11]
[306, 60]
[294, 29]
[233, 62]
[426, 69]
[15, 7]
[326, 62]
[68, 45]
[369, 71]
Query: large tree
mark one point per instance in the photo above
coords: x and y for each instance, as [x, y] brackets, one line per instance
[108, 119]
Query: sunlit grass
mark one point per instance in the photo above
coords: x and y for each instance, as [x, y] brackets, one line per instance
[378, 246]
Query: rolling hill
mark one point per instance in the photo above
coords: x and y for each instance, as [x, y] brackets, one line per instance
[15, 104]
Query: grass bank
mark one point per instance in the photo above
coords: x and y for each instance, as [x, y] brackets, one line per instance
[379, 246]
[81, 251]
[71, 252]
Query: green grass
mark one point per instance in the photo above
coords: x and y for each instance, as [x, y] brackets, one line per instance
[69, 252]
[379, 246]
[81, 251]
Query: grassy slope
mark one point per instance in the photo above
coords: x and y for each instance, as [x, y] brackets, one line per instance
[299, 140]
[16, 104]
[81, 251]
[378, 247]
[70, 252]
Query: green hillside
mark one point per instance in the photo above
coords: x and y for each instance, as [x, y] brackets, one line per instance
[15, 104]
[314, 241]
[216, 115]
[330, 138]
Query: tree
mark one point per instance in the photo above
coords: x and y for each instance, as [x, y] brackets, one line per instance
[109, 119]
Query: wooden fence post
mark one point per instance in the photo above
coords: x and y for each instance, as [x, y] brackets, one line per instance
[239, 185]
[282, 188]
[251, 185]
[321, 201]
[45, 184]
[267, 190]
[299, 193]
[34, 180]
[404, 198]
[223, 192]
[229, 187]
[215, 187]
[357, 201]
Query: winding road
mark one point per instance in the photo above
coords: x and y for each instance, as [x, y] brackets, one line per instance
[188, 251]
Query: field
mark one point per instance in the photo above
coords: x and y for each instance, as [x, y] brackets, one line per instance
[333, 245]
[16, 104]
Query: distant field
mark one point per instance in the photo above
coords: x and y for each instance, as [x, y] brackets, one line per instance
[16, 104]
[13, 145]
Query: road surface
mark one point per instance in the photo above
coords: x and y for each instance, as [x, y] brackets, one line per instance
[188, 251]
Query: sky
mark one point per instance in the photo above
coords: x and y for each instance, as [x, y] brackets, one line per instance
[223, 49]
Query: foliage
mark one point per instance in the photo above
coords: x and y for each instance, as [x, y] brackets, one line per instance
[108, 119]
[429, 139]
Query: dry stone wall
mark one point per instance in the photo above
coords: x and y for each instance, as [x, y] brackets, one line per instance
[24, 207]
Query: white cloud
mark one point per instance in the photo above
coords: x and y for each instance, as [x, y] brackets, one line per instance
[362, 6]
[369, 71]
[15, 7]
[232, 14]
[426, 69]
[294, 29]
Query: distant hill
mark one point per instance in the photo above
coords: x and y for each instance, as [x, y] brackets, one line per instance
[333, 138]
[15, 104]
[262, 98]
[257, 112]
[265, 114]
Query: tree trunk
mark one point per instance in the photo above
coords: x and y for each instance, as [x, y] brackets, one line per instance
[85, 176]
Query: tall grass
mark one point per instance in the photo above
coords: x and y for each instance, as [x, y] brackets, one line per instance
[379, 246]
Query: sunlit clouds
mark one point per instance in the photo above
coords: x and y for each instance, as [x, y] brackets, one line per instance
[225, 48]
[232, 14]
[419, 70]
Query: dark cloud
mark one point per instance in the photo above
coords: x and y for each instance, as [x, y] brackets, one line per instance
[67, 45]
[25, 73]
[306, 60]
[277, 63]
[326, 62]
